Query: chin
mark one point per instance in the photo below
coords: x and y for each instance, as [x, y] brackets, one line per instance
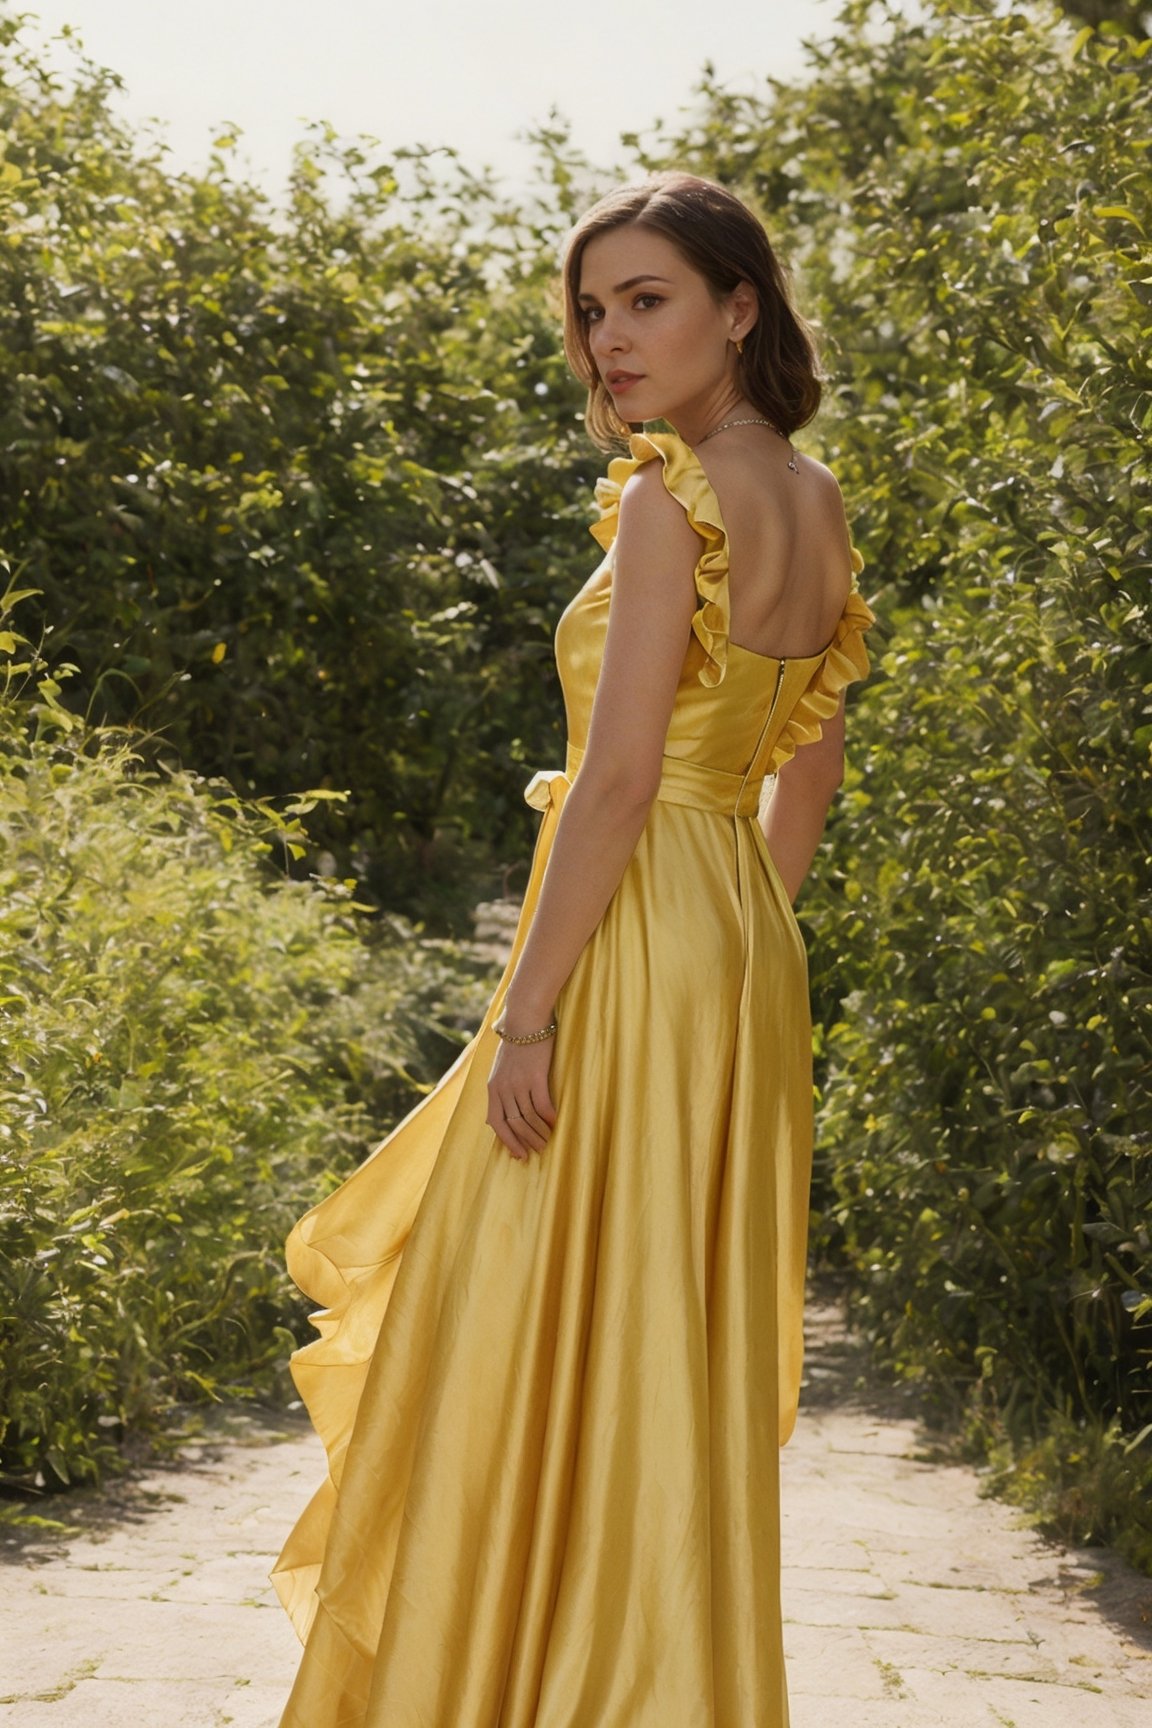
[638, 413]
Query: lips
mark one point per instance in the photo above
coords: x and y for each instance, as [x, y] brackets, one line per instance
[617, 381]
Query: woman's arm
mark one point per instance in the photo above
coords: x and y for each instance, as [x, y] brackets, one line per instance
[649, 626]
[798, 806]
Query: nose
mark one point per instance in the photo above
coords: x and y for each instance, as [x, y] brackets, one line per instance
[608, 335]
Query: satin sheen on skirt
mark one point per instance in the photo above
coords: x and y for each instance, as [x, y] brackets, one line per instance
[553, 1393]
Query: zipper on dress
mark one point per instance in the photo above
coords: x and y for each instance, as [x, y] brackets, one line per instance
[764, 728]
[772, 705]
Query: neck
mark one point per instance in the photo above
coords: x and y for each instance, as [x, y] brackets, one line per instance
[696, 419]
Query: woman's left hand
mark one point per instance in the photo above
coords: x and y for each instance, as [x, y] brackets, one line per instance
[520, 1107]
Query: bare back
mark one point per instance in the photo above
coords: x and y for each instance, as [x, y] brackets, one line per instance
[790, 562]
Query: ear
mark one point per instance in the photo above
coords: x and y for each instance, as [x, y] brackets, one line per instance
[743, 309]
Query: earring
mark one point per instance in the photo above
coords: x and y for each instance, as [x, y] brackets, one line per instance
[740, 345]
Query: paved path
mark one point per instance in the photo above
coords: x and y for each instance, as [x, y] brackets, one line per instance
[910, 1602]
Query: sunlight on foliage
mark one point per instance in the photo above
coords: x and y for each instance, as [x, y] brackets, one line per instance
[195, 1049]
[306, 497]
[965, 199]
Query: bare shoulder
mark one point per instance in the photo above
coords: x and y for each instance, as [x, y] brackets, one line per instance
[741, 465]
[824, 482]
[651, 517]
[646, 495]
[737, 474]
[822, 475]
[827, 494]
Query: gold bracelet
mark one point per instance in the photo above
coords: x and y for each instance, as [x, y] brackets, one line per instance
[525, 1037]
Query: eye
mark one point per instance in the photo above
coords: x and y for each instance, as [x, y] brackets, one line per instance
[590, 314]
[654, 299]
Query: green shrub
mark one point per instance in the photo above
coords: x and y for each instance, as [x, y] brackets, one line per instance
[195, 1049]
[300, 487]
[357, 509]
[966, 198]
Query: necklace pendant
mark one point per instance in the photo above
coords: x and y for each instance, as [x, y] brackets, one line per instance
[758, 421]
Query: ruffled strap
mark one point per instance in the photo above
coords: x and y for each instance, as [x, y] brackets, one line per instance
[844, 660]
[686, 481]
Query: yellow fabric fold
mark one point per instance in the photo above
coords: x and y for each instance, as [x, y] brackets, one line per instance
[345, 1253]
[843, 661]
[686, 480]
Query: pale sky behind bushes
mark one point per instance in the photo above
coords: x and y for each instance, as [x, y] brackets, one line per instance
[424, 71]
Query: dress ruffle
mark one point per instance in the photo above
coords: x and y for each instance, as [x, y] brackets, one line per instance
[686, 480]
[844, 660]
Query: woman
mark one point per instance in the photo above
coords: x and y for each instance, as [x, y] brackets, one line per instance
[553, 1491]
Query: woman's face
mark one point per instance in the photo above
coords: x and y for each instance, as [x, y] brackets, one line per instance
[659, 339]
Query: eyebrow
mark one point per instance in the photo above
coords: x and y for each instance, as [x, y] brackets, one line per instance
[623, 287]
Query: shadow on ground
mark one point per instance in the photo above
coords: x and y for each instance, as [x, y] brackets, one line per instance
[35, 1530]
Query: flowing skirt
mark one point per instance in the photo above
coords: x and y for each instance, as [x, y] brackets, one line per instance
[553, 1393]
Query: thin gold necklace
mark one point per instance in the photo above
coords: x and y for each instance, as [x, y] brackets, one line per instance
[758, 421]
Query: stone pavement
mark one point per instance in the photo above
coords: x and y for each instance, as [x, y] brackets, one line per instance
[910, 1602]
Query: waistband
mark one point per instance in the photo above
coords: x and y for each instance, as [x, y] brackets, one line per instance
[681, 782]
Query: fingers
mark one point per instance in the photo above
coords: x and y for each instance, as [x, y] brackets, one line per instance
[523, 1125]
[541, 1102]
[533, 1125]
[527, 1126]
[510, 1130]
[508, 1124]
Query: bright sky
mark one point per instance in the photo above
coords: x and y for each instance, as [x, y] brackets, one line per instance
[471, 73]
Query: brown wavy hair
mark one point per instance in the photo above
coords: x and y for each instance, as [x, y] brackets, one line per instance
[721, 238]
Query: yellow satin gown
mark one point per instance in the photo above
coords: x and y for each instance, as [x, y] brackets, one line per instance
[552, 1393]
